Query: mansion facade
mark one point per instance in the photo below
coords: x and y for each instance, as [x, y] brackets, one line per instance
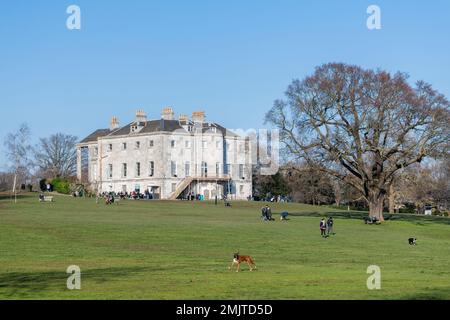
[170, 158]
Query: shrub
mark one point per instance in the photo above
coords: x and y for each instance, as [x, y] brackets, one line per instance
[440, 213]
[61, 186]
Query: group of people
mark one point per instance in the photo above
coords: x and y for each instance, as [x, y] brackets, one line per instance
[266, 213]
[270, 198]
[109, 198]
[77, 194]
[134, 195]
[371, 220]
[326, 227]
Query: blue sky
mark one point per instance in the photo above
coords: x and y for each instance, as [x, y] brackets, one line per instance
[229, 58]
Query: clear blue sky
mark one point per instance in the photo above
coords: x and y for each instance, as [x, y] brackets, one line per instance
[230, 58]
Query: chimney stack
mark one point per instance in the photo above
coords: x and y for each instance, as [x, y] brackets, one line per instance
[141, 116]
[114, 123]
[198, 116]
[167, 114]
[183, 118]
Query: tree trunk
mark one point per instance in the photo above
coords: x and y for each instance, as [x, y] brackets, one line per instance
[391, 199]
[376, 206]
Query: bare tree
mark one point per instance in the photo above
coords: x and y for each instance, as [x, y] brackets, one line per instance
[425, 184]
[6, 181]
[56, 155]
[307, 185]
[18, 150]
[361, 126]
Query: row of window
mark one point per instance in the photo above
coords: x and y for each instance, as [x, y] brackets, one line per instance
[173, 143]
[210, 192]
[173, 169]
[137, 168]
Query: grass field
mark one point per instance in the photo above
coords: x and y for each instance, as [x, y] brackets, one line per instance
[182, 250]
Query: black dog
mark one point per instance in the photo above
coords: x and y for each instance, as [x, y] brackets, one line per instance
[412, 241]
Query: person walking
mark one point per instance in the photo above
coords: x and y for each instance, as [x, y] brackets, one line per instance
[330, 224]
[269, 213]
[264, 213]
[323, 227]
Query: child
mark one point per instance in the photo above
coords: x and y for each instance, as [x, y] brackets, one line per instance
[323, 227]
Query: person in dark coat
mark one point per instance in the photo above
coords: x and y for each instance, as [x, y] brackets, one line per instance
[330, 224]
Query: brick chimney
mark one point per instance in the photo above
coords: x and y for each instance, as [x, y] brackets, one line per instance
[183, 118]
[167, 114]
[114, 123]
[141, 116]
[198, 116]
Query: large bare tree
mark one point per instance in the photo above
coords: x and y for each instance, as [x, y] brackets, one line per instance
[56, 155]
[18, 151]
[361, 126]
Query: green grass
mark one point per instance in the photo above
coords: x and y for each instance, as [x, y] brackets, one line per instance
[181, 250]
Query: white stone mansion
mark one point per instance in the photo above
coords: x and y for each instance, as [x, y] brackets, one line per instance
[170, 158]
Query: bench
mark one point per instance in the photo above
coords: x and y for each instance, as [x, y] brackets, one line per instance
[46, 199]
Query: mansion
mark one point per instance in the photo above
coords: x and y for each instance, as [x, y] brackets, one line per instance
[167, 157]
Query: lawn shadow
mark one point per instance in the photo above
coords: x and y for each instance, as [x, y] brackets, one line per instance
[360, 215]
[30, 284]
[430, 294]
[7, 196]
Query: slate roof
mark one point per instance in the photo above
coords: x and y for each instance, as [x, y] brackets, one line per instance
[95, 135]
[149, 127]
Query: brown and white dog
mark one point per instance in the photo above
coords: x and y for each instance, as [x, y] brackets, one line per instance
[237, 259]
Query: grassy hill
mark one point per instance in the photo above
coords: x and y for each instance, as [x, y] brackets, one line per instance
[182, 250]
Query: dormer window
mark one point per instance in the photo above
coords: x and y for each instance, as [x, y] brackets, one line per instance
[137, 126]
